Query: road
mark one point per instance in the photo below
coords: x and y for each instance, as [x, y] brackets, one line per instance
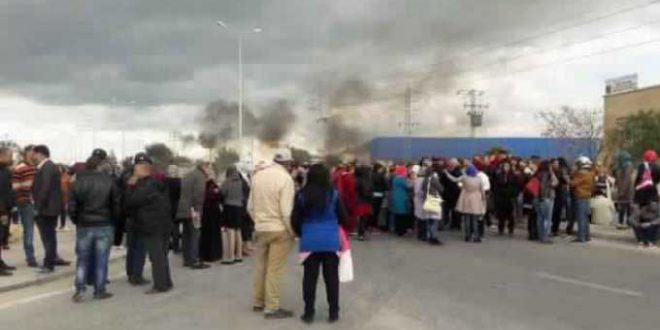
[400, 284]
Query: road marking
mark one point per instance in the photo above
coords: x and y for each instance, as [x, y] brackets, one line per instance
[591, 285]
[47, 295]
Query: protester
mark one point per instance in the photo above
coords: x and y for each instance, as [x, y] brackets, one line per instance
[149, 208]
[471, 202]
[191, 202]
[506, 191]
[560, 209]
[210, 243]
[646, 182]
[648, 224]
[22, 182]
[65, 183]
[451, 194]
[233, 200]
[548, 182]
[364, 194]
[173, 182]
[316, 218]
[270, 205]
[47, 193]
[346, 186]
[399, 200]
[94, 203]
[625, 188]
[136, 253]
[583, 184]
[379, 184]
[247, 227]
[7, 202]
[427, 185]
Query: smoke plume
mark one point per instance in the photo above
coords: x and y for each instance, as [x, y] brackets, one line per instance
[276, 122]
[219, 120]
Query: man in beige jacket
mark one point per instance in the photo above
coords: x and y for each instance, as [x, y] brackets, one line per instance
[270, 205]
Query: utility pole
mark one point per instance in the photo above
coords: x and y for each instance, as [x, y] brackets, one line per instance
[474, 108]
[408, 123]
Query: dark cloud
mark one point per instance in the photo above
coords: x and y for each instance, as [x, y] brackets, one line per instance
[158, 52]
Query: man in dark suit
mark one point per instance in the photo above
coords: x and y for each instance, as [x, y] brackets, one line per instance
[47, 194]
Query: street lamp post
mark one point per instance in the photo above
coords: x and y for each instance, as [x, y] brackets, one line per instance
[239, 36]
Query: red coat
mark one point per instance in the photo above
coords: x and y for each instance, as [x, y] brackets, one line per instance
[348, 195]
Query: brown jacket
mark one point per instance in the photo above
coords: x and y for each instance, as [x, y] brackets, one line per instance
[582, 183]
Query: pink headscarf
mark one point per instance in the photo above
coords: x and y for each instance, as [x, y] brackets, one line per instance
[401, 171]
[650, 156]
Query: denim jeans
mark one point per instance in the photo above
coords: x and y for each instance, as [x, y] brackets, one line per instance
[544, 210]
[26, 213]
[93, 251]
[471, 227]
[191, 237]
[136, 255]
[432, 229]
[582, 217]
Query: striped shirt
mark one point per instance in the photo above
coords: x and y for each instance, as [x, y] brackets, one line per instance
[22, 180]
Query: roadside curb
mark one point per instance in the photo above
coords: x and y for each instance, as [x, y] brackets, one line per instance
[69, 272]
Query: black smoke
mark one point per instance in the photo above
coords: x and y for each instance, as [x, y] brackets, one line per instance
[276, 122]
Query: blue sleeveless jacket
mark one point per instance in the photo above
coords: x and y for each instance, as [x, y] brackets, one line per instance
[320, 228]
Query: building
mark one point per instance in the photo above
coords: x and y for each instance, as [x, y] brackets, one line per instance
[410, 149]
[620, 103]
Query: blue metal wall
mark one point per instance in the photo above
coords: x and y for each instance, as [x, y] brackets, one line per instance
[401, 148]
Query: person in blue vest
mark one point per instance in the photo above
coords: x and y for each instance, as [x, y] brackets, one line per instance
[317, 214]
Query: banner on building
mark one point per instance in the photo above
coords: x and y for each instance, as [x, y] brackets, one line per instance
[621, 84]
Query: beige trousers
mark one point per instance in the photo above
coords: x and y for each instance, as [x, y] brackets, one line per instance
[232, 245]
[271, 260]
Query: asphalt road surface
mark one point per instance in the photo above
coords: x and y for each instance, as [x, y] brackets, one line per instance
[400, 284]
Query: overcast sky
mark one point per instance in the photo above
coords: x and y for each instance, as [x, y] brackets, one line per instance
[78, 73]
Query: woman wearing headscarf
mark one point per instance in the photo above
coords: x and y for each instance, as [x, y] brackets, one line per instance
[233, 204]
[625, 188]
[472, 203]
[210, 244]
[399, 200]
[428, 184]
[317, 214]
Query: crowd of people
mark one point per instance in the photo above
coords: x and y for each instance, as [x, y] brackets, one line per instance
[501, 190]
[262, 213]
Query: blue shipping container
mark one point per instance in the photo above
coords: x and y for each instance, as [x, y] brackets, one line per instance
[410, 149]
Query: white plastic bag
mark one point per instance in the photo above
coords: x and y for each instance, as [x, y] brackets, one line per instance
[346, 267]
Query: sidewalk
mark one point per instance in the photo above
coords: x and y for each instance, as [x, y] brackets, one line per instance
[610, 233]
[25, 276]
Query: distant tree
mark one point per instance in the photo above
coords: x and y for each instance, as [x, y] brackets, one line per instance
[161, 155]
[300, 156]
[570, 122]
[637, 133]
[225, 158]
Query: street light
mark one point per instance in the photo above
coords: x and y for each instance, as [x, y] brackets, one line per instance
[239, 36]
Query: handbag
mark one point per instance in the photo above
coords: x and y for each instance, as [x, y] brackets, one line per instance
[346, 267]
[432, 204]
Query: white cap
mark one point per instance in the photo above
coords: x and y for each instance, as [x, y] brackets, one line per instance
[283, 155]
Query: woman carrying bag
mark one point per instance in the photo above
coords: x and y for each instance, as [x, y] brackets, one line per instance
[316, 219]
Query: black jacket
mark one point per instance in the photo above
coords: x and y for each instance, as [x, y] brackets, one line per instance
[148, 206]
[94, 200]
[7, 196]
[648, 194]
[47, 190]
[174, 188]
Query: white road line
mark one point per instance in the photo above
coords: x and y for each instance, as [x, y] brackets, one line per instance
[46, 295]
[590, 285]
